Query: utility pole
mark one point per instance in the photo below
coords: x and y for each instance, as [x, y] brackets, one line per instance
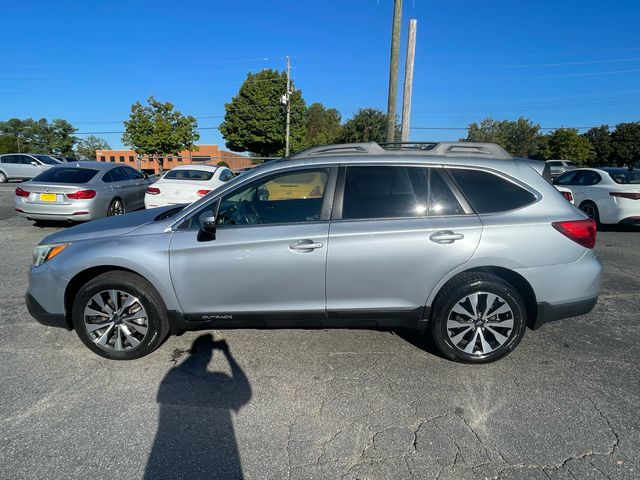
[393, 70]
[288, 100]
[408, 79]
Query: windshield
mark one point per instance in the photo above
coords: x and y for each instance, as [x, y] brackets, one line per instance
[198, 175]
[47, 159]
[66, 175]
[622, 177]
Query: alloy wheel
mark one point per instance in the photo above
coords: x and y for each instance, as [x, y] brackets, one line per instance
[116, 208]
[115, 320]
[480, 323]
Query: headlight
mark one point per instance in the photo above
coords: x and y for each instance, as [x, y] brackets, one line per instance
[43, 253]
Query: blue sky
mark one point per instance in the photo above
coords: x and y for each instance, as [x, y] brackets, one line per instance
[559, 63]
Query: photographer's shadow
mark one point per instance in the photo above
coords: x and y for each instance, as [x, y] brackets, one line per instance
[195, 437]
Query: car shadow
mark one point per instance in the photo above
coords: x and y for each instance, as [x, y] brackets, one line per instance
[618, 228]
[195, 437]
[53, 224]
[422, 340]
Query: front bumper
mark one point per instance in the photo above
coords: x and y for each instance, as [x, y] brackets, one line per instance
[548, 312]
[42, 316]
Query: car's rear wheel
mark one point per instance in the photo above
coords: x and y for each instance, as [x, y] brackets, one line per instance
[120, 316]
[478, 318]
[3, 177]
[116, 207]
[591, 210]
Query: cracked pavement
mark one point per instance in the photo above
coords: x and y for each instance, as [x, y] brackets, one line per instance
[336, 404]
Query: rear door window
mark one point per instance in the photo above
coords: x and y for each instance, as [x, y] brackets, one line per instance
[489, 193]
[377, 192]
[115, 175]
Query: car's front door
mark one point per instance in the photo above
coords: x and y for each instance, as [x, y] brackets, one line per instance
[397, 231]
[268, 257]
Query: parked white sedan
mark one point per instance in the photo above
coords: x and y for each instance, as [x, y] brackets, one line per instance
[185, 184]
[608, 195]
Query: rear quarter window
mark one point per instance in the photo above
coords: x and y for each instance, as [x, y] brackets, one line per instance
[489, 193]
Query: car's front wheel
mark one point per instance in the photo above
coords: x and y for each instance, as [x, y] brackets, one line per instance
[591, 210]
[3, 177]
[120, 316]
[478, 318]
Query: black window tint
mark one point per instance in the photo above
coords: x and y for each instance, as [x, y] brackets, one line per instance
[587, 177]
[66, 175]
[442, 201]
[24, 160]
[396, 192]
[489, 193]
[566, 178]
[132, 174]
[115, 175]
[292, 197]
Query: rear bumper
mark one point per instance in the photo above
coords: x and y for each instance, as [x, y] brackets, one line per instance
[548, 312]
[42, 316]
[73, 217]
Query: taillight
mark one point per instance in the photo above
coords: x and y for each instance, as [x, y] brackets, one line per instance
[629, 195]
[22, 193]
[568, 196]
[580, 231]
[153, 190]
[81, 195]
[202, 193]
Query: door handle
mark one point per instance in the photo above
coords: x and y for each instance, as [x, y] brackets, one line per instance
[445, 236]
[305, 245]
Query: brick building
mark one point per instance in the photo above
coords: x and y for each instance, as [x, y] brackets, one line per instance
[206, 154]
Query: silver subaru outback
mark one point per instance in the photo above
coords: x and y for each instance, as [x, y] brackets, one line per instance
[457, 239]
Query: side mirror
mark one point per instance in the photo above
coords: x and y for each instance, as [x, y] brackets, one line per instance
[207, 229]
[34, 163]
[145, 175]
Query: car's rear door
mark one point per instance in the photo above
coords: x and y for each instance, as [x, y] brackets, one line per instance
[396, 231]
[140, 183]
[123, 188]
[267, 260]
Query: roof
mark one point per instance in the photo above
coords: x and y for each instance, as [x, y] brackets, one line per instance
[88, 164]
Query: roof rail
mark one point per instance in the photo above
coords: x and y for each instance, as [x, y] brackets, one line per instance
[446, 149]
[345, 148]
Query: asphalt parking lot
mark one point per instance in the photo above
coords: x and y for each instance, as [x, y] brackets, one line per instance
[334, 404]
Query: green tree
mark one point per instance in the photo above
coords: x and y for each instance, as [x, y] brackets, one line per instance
[323, 126]
[600, 138]
[255, 119]
[158, 130]
[86, 148]
[366, 125]
[521, 137]
[8, 144]
[222, 163]
[626, 143]
[40, 136]
[567, 144]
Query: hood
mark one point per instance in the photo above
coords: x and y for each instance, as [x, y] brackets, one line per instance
[108, 227]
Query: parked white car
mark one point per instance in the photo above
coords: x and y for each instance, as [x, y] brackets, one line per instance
[185, 184]
[608, 195]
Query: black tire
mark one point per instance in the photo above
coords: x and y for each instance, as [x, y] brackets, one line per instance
[591, 210]
[116, 207]
[458, 290]
[157, 324]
